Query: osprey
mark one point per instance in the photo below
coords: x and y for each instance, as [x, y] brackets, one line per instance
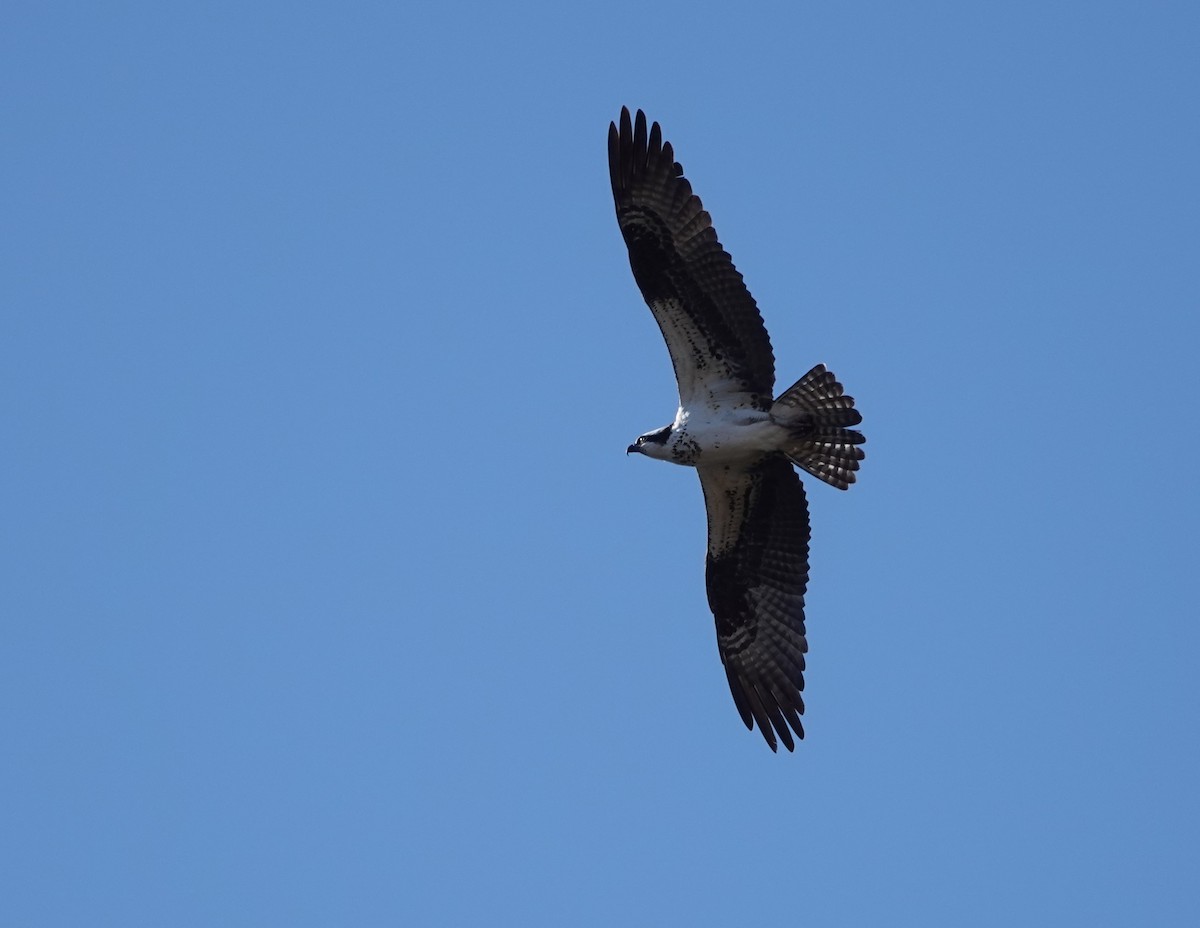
[730, 427]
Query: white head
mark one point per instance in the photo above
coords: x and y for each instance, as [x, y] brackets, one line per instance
[654, 444]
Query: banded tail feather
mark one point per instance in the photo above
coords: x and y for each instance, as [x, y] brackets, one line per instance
[818, 412]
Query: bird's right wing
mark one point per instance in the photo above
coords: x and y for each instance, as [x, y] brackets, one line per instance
[756, 575]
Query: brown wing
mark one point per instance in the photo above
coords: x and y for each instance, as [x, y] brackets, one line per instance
[714, 332]
[757, 574]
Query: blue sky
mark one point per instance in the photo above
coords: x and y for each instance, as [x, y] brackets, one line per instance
[330, 596]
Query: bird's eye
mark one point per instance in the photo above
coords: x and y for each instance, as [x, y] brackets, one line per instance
[641, 439]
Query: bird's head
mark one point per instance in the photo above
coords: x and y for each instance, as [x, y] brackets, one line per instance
[653, 444]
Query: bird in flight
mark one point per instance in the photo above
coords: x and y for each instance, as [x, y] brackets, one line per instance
[742, 440]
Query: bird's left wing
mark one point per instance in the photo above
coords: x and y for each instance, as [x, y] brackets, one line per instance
[757, 573]
[712, 326]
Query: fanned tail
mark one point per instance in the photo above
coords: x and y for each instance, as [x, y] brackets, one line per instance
[818, 412]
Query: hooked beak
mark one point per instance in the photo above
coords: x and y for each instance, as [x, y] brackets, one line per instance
[631, 449]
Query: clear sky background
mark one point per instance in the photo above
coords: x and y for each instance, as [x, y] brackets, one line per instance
[330, 596]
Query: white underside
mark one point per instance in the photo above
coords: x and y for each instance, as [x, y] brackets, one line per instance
[708, 437]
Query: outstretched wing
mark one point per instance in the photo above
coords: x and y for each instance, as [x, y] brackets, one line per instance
[757, 573]
[716, 337]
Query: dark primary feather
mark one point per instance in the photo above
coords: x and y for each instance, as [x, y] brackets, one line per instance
[707, 316]
[756, 576]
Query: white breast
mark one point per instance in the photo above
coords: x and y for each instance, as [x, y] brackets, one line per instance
[707, 436]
